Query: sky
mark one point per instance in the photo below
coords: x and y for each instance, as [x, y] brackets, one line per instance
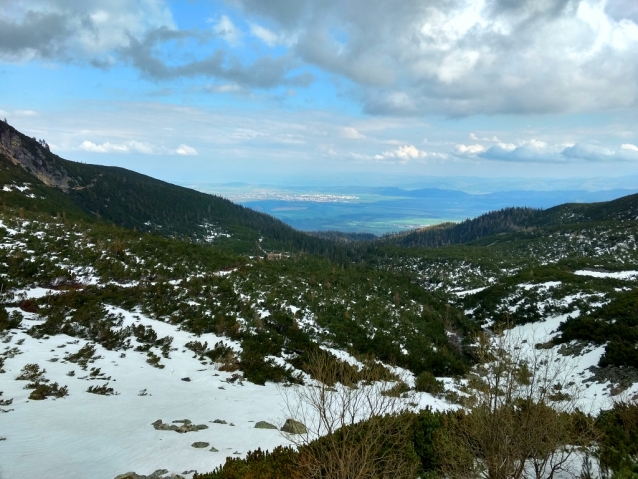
[532, 92]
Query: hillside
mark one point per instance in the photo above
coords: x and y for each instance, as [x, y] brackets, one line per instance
[510, 220]
[135, 201]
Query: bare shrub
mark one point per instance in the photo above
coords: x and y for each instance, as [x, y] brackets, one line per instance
[521, 421]
[352, 429]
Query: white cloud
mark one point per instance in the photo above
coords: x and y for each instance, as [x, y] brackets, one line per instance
[185, 150]
[589, 153]
[269, 37]
[225, 28]
[226, 88]
[90, 30]
[351, 133]
[629, 146]
[467, 57]
[103, 147]
[470, 149]
[126, 147]
[406, 153]
[476, 138]
[506, 146]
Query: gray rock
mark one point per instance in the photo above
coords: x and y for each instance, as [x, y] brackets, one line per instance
[265, 425]
[129, 475]
[186, 379]
[294, 427]
[219, 421]
[212, 449]
[158, 474]
[182, 421]
[200, 445]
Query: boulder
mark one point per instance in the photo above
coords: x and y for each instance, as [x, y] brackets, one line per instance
[294, 427]
[200, 445]
[158, 474]
[265, 425]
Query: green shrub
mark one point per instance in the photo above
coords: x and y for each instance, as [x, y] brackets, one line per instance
[427, 383]
[31, 372]
[103, 390]
[42, 391]
[9, 321]
[397, 390]
[424, 429]
[619, 442]
[278, 464]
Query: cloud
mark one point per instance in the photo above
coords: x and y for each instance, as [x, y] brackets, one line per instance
[87, 31]
[103, 147]
[450, 57]
[126, 147]
[535, 151]
[518, 154]
[185, 150]
[269, 37]
[406, 153]
[470, 149]
[351, 133]
[596, 153]
[264, 72]
[225, 88]
[492, 139]
[459, 57]
[226, 29]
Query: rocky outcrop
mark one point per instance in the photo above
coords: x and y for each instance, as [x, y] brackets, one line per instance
[33, 157]
[159, 474]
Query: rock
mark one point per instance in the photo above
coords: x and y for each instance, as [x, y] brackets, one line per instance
[265, 425]
[130, 475]
[294, 427]
[186, 379]
[219, 421]
[200, 445]
[186, 426]
[212, 449]
[158, 474]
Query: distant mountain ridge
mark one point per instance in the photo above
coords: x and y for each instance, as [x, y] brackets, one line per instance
[134, 200]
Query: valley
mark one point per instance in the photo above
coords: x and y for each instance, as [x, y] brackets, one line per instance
[127, 300]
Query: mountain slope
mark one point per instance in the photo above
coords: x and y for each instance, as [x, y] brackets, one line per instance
[511, 220]
[134, 200]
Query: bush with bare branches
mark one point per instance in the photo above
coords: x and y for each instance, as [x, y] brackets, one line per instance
[353, 430]
[521, 419]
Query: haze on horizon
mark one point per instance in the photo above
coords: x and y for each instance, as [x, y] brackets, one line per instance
[533, 93]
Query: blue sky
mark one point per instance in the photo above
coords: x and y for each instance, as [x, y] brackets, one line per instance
[542, 92]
